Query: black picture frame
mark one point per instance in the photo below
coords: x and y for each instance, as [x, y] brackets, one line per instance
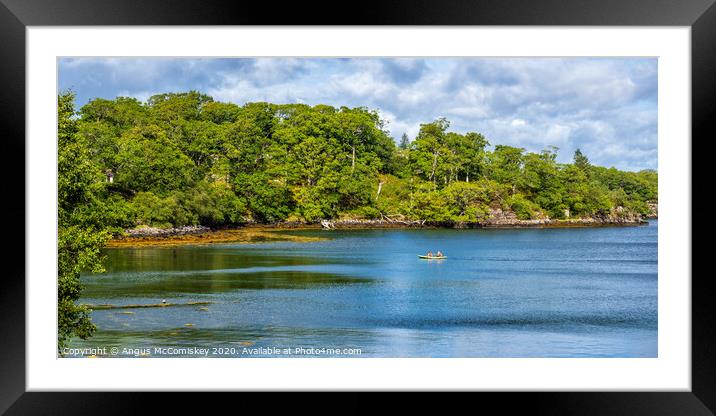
[16, 15]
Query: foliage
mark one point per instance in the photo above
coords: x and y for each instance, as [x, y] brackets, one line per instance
[522, 207]
[183, 158]
[81, 223]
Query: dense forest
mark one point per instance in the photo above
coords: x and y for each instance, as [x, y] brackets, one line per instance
[184, 159]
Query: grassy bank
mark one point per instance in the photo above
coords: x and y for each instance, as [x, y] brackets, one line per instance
[239, 235]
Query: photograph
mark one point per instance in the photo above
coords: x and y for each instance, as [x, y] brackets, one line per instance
[493, 198]
[357, 207]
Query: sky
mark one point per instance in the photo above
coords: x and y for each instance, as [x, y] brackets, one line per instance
[607, 107]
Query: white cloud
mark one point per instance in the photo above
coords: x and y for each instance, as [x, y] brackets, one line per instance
[605, 106]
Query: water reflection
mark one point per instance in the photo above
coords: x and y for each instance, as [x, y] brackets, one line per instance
[501, 293]
[196, 283]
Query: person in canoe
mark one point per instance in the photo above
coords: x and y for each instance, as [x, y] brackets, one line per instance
[430, 255]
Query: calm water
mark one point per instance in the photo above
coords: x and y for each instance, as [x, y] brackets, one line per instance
[582, 292]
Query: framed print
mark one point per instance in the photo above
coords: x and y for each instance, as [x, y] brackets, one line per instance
[466, 197]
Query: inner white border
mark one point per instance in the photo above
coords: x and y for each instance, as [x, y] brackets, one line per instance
[670, 371]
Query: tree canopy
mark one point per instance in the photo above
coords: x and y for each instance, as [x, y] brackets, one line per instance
[183, 158]
[83, 211]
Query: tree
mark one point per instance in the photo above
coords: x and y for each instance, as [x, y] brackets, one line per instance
[81, 232]
[404, 142]
[178, 106]
[466, 155]
[541, 183]
[267, 198]
[149, 161]
[474, 163]
[506, 165]
[428, 151]
[581, 161]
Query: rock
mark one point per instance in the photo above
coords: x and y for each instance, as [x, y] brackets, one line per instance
[376, 223]
[166, 232]
[619, 216]
[498, 217]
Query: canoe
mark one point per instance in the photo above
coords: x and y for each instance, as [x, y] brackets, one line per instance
[432, 257]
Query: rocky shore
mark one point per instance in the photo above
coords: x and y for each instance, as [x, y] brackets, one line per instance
[256, 232]
[504, 222]
[497, 219]
[166, 232]
[507, 219]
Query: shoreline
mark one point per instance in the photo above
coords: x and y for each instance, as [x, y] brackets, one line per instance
[382, 224]
[259, 233]
[201, 236]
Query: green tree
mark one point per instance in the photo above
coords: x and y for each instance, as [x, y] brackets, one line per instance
[429, 153]
[541, 184]
[81, 232]
[505, 165]
[581, 161]
[268, 199]
[404, 141]
[149, 161]
[171, 107]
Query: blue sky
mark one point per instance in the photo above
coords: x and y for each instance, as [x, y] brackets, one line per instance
[605, 106]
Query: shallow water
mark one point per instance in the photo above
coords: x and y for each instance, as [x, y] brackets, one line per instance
[569, 292]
